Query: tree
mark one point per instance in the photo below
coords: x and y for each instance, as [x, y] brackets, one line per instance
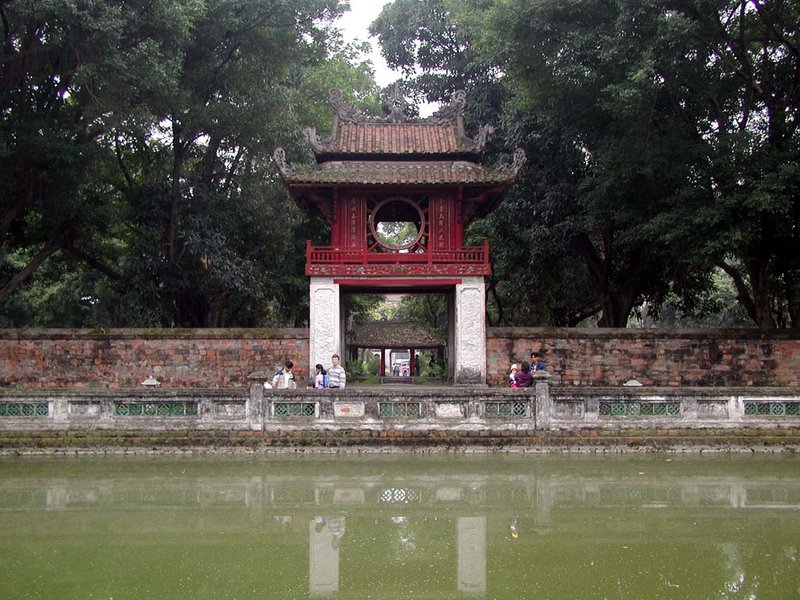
[436, 57]
[175, 201]
[68, 75]
[686, 113]
[212, 180]
[741, 97]
[585, 73]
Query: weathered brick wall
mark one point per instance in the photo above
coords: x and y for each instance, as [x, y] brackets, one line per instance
[218, 358]
[663, 357]
[212, 358]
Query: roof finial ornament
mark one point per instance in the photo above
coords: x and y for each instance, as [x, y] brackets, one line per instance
[397, 106]
[313, 138]
[452, 111]
[344, 111]
[516, 164]
[279, 156]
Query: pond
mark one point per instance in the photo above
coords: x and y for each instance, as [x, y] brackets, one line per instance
[401, 527]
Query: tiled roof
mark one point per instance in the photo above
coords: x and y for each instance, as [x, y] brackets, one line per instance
[390, 172]
[399, 139]
[394, 334]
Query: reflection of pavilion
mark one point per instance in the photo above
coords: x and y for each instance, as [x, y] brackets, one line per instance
[325, 536]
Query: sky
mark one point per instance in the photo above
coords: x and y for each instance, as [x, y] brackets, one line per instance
[355, 27]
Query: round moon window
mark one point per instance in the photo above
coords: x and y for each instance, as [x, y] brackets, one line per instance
[396, 223]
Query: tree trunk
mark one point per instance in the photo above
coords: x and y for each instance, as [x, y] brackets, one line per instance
[759, 283]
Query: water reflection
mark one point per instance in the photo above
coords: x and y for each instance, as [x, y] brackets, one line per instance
[325, 537]
[401, 527]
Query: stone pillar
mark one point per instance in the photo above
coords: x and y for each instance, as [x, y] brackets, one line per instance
[60, 409]
[254, 408]
[544, 404]
[451, 336]
[470, 331]
[325, 324]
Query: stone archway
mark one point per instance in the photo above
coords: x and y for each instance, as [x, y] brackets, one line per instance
[466, 312]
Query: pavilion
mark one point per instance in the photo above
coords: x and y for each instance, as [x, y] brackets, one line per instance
[422, 173]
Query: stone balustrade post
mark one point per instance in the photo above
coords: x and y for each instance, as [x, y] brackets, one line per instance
[736, 408]
[689, 409]
[60, 409]
[544, 404]
[255, 400]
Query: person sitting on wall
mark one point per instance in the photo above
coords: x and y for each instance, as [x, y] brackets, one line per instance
[512, 374]
[523, 376]
[537, 363]
[284, 378]
[337, 378]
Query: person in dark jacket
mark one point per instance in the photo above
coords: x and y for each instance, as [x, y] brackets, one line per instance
[523, 376]
[537, 362]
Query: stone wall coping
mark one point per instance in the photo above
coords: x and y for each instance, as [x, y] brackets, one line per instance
[491, 332]
[714, 334]
[155, 334]
[78, 393]
[557, 391]
[401, 393]
[434, 394]
[344, 395]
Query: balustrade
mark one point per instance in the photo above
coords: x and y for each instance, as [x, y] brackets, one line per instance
[542, 407]
[341, 260]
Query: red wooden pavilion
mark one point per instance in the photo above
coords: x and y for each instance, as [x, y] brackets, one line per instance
[424, 173]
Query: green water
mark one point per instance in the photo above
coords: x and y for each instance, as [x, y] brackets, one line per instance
[406, 527]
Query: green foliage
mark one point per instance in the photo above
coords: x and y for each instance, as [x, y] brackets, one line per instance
[138, 186]
[437, 57]
[679, 125]
[428, 309]
[356, 370]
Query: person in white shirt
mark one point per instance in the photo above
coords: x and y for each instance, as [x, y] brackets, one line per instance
[284, 378]
[337, 378]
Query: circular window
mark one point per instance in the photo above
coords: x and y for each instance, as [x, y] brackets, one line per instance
[397, 223]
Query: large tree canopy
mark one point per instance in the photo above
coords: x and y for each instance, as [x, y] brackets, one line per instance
[687, 115]
[662, 143]
[137, 186]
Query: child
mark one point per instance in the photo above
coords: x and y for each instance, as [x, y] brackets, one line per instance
[319, 379]
[511, 376]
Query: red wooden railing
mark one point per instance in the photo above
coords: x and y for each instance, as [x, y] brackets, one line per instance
[340, 255]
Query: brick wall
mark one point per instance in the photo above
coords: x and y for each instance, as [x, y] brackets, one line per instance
[665, 357]
[218, 358]
[211, 358]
